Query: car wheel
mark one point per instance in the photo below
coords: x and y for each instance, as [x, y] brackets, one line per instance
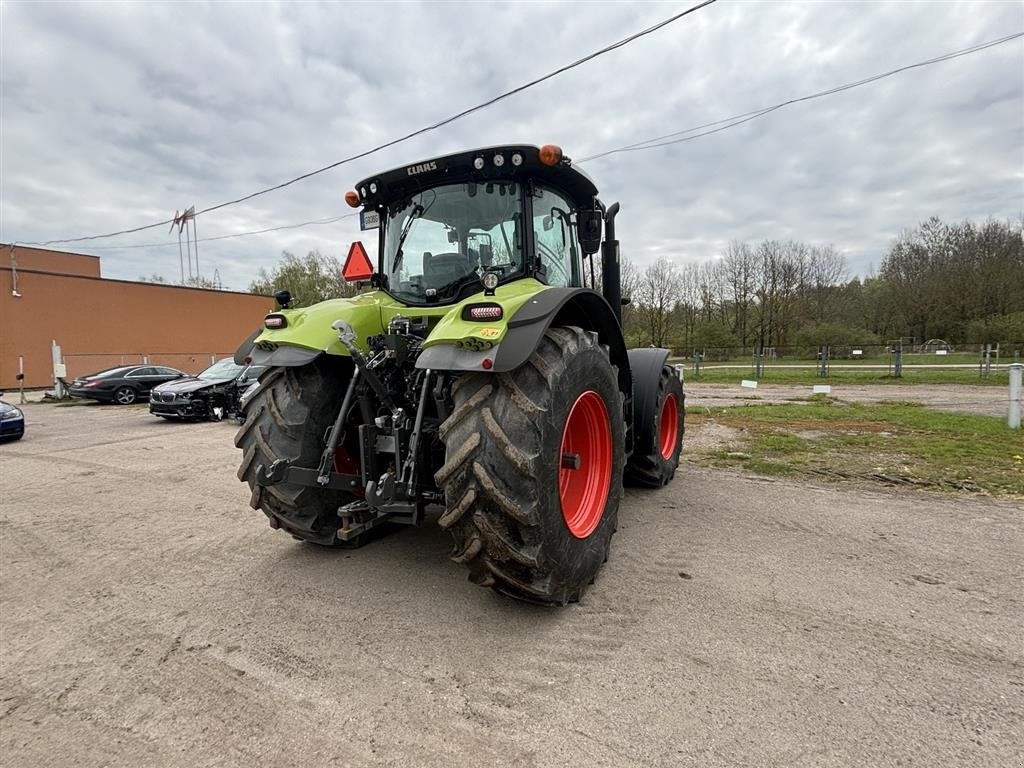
[125, 396]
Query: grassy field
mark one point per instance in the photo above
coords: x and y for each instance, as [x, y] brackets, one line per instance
[895, 443]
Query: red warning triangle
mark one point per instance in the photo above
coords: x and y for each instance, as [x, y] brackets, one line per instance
[357, 265]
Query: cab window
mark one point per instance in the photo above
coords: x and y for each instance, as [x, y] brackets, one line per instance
[554, 237]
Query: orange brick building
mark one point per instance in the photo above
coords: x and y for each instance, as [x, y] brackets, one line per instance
[48, 296]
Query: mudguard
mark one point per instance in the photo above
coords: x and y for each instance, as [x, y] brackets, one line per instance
[525, 328]
[646, 365]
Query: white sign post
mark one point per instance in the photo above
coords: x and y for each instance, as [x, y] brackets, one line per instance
[1016, 373]
[59, 370]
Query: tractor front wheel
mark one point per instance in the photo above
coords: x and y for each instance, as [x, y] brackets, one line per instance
[533, 470]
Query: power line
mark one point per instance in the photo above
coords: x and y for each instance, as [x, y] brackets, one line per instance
[679, 137]
[227, 237]
[441, 123]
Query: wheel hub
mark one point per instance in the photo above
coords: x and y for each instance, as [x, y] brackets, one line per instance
[585, 468]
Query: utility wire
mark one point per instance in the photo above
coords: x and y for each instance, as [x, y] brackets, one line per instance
[226, 237]
[446, 121]
[679, 137]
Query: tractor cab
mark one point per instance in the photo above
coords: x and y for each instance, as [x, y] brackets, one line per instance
[513, 211]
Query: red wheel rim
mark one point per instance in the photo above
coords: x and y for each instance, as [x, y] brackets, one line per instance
[585, 468]
[668, 430]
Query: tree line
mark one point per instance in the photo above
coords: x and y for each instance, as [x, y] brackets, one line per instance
[961, 282]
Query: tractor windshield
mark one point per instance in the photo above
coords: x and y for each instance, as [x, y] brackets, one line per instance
[444, 238]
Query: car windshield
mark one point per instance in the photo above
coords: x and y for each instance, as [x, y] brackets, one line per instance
[445, 237]
[222, 370]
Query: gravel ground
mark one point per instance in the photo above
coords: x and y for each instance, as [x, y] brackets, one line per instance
[150, 618]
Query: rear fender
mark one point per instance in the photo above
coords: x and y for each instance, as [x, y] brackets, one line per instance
[308, 334]
[521, 334]
[581, 307]
[647, 365]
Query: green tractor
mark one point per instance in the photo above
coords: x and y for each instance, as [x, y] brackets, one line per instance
[482, 375]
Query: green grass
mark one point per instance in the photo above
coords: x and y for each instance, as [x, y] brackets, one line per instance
[896, 443]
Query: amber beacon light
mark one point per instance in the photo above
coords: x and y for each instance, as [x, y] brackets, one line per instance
[550, 154]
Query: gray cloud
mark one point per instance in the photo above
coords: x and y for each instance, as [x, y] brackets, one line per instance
[118, 115]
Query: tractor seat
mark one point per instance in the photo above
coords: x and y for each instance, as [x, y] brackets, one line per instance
[442, 268]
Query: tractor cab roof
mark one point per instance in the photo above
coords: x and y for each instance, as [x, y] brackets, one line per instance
[512, 162]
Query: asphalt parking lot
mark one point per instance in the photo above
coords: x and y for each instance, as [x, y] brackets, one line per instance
[150, 618]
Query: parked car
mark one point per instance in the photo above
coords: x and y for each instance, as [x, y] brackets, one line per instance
[213, 394]
[12, 421]
[123, 385]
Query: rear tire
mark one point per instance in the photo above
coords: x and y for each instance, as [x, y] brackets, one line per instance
[287, 418]
[505, 440]
[658, 445]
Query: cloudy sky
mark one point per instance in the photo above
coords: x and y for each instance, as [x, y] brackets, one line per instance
[115, 115]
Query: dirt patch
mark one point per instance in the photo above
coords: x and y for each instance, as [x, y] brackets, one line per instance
[706, 434]
[988, 401]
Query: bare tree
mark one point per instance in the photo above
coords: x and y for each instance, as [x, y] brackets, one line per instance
[741, 271]
[659, 290]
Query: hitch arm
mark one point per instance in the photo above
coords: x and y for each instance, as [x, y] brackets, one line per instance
[327, 459]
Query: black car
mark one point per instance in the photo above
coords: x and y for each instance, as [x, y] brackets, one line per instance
[123, 385]
[213, 394]
[12, 422]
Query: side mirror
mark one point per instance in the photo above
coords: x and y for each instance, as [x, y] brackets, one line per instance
[588, 229]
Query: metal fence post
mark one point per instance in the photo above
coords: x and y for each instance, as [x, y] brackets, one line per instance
[897, 359]
[823, 361]
[696, 363]
[757, 362]
[1016, 373]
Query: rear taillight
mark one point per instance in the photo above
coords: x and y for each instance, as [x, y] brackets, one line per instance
[275, 321]
[483, 312]
[97, 383]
